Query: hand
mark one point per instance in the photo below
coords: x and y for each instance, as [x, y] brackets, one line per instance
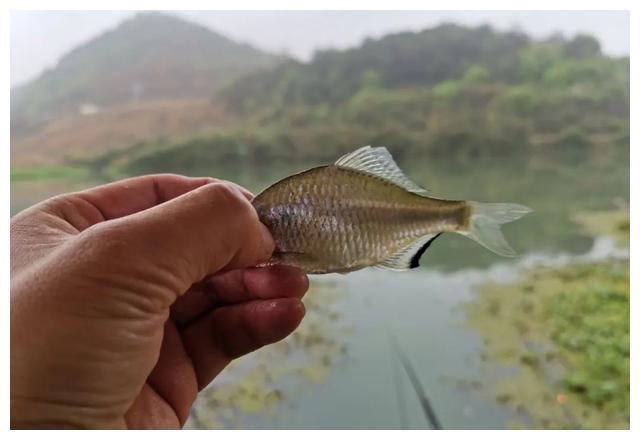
[129, 298]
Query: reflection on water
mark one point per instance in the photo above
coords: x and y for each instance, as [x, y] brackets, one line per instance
[346, 375]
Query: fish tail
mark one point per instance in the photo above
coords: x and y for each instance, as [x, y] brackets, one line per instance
[485, 221]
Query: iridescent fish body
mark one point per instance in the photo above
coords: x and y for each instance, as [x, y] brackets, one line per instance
[363, 211]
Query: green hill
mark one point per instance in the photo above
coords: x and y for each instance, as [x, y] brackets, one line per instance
[397, 60]
[408, 59]
[150, 56]
[449, 93]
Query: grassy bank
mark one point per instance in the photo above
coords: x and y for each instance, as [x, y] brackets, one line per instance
[36, 173]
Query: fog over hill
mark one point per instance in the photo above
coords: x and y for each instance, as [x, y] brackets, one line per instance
[150, 56]
[40, 38]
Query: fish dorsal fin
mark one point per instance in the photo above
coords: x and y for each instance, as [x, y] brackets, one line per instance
[409, 257]
[378, 161]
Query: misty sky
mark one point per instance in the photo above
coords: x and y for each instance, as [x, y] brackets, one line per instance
[39, 39]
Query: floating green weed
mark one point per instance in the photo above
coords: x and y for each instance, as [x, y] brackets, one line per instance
[567, 332]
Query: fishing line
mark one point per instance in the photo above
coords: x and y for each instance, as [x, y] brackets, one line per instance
[427, 409]
[402, 407]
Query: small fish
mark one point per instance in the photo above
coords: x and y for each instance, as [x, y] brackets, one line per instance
[363, 211]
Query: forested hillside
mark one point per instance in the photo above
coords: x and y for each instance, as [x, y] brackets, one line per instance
[447, 93]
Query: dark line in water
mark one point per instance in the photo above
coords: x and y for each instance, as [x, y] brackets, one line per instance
[427, 409]
[402, 408]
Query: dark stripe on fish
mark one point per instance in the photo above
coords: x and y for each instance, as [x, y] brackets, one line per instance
[415, 260]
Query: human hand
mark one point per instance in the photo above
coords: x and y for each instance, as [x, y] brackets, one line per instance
[129, 298]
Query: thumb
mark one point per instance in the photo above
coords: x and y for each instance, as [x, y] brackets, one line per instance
[179, 242]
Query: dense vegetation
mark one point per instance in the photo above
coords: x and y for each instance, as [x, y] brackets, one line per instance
[149, 56]
[444, 93]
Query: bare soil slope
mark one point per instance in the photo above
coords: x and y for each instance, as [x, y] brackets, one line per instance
[84, 136]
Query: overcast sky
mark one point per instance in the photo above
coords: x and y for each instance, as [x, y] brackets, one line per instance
[39, 39]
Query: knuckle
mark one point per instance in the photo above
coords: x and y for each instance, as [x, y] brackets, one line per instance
[229, 197]
[242, 235]
[57, 203]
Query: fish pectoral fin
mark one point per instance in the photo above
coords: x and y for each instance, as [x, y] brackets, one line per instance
[409, 257]
[378, 162]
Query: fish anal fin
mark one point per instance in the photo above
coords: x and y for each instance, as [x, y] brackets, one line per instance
[379, 162]
[409, 256]
[307, 262]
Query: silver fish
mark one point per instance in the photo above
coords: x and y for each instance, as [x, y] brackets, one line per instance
[363, 211]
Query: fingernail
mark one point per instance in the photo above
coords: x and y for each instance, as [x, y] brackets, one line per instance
[300, 308]
[296, 306]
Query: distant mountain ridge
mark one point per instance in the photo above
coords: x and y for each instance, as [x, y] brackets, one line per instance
[150, 56]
